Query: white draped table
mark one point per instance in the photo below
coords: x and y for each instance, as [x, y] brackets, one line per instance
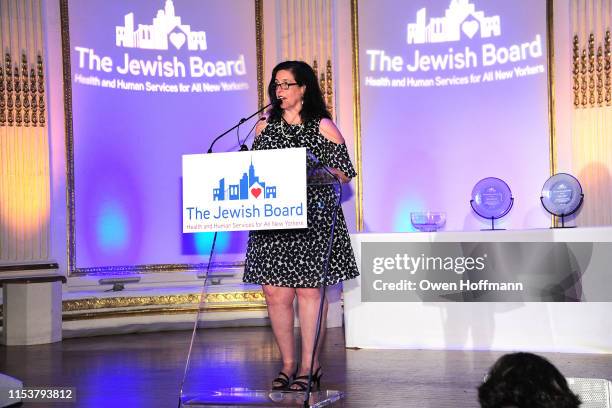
[584, 327]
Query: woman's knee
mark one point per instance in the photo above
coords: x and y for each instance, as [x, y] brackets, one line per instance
[313, 294]
[278, 295]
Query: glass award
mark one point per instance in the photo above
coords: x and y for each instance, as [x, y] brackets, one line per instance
[491, 199]
[428, 221]
[562, 195]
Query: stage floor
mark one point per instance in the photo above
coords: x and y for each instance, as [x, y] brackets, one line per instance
[145, 370]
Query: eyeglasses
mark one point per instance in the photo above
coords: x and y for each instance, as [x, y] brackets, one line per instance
[284, 85]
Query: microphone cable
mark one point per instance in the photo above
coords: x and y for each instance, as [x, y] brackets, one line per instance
[242, 143]
[323, 290]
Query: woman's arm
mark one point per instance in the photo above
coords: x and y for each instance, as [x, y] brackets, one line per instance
[261, 125]
[329, 130]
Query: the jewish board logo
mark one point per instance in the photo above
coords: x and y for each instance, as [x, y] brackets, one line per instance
[166, 29]
[444, 51]
[250, 187]
[460, 19]
[165, 55]
[245, 190]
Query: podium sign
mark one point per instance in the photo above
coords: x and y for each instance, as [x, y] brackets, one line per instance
[258, 190]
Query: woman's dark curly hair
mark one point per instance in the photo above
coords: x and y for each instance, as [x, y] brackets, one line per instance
[314, 104]
[525, 380]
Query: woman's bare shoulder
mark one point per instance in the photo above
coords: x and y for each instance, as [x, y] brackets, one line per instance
[329, 130]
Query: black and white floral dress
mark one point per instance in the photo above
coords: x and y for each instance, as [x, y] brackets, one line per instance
[295, 257]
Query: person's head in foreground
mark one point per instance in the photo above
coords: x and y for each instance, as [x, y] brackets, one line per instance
[525, 380]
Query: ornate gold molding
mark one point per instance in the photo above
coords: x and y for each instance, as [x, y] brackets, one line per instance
[551, 85]
[550, 45]
[259, 46]
[155, 268]
[250, 298]
[67, 75]
[357, 116]
[96, 308]
[164, 311]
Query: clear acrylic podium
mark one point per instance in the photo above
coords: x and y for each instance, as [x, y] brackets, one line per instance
[223, 376]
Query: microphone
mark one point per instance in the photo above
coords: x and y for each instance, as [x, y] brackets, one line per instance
[243, 147]
[277, 102]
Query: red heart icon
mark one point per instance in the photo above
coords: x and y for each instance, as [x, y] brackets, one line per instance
[256, 191]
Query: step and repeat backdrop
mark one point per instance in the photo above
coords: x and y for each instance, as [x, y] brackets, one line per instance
[151, 81]
[452, 91]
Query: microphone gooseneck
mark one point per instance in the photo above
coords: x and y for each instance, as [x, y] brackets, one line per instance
[210, 149]
[243, 146]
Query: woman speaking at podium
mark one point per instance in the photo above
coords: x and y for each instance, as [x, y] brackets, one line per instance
[289, 263]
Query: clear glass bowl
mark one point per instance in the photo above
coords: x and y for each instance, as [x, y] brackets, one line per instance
[428, 221]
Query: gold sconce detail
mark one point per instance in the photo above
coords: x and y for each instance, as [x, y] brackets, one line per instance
[326, 84]
[599, 70]
[576, 72]
[330, 90]
[592, 72]
[2, 98]
[8, 69]
[607, 70]
[26, 88]
[22, 93]
[591, 69]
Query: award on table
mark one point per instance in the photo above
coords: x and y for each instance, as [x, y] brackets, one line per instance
[562, 195]
[427, 221]
[491, 199]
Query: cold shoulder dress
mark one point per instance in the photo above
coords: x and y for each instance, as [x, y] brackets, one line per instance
[295, 257]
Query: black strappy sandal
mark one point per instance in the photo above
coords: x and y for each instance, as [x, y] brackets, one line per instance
[300, 384]
[282, 381]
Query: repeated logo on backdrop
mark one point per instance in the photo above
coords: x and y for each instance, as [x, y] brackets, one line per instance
[179, 66]
[166, 29]
[460, 19]
[476, 51]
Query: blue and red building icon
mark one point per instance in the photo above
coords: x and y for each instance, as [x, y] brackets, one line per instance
[249, 187]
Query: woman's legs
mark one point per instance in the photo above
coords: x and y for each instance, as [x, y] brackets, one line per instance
[308, 301]
[280, 310]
